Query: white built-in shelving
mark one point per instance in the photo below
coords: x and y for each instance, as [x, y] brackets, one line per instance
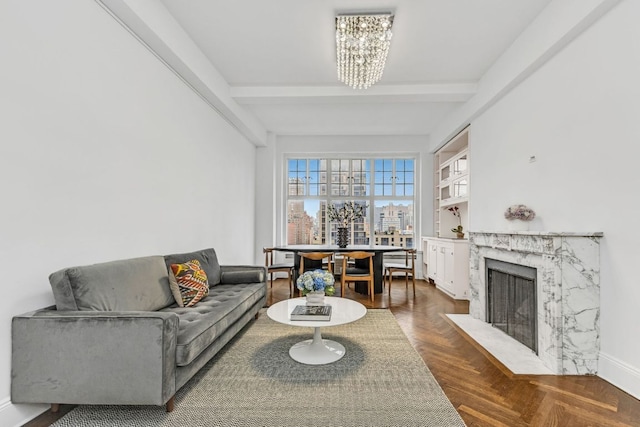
[447, 257]
[451, 185]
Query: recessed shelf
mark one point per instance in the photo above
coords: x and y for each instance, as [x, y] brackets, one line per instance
[451, 188]
[453, 201]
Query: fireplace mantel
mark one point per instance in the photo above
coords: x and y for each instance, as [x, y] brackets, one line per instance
[543, 242]
[568, 291]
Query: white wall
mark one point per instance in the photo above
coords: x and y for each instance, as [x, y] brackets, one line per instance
[104, 154]
[265, 198]
[578, 114]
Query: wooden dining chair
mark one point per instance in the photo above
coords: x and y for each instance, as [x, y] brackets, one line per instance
[355, 273]
[408, 269]
[315, 262]
[314, 257]
[285, 267]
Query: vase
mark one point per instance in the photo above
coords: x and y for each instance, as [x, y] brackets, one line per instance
[460, 235]
[342, 238]
[315, 298]
[518, 225]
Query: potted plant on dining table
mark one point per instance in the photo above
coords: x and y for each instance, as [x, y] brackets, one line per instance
[344, 216]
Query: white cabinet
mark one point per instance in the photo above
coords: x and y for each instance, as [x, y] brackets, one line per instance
[431, 259]
[447, 263]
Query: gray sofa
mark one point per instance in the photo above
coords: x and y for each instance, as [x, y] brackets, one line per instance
[117, 336]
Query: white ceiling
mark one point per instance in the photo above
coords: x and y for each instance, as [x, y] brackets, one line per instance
[278, 57]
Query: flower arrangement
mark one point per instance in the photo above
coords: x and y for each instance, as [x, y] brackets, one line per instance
[456, 212]
[347, 213]
[521, 212]
[316, 280]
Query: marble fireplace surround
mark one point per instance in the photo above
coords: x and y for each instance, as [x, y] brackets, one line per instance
[568, 291]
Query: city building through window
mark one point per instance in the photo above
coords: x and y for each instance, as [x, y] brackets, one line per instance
[385, 186]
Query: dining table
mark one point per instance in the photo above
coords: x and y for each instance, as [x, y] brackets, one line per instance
[360, 287]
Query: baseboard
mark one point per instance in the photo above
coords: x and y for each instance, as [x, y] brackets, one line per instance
[17, 415]
[620, 374]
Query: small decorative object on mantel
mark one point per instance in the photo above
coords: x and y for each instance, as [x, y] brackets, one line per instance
[458, 230]
[519, 217]
[344, 216]
[315, 284]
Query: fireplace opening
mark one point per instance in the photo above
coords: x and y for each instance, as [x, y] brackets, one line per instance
[511, 300]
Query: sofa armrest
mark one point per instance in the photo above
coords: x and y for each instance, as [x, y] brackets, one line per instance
[93, 357]
[235, 274]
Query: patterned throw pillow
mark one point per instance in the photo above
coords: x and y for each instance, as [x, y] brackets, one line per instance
[188, 283]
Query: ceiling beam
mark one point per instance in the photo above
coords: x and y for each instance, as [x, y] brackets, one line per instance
[445, 92]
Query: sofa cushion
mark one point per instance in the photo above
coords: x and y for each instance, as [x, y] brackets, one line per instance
[188, 283]
[137, 284]
[199, 326]
[208, 261]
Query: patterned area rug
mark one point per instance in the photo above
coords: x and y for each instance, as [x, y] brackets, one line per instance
[381, 381]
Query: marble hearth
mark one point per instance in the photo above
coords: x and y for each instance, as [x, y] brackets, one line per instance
[568, 291]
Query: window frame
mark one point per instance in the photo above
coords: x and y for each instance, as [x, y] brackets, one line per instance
[370, 198]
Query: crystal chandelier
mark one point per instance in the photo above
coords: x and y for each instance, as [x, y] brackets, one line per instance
[362, 44]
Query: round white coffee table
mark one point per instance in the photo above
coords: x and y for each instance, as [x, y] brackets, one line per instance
[318, 351]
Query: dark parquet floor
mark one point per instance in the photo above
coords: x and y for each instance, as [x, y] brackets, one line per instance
[483, 391]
